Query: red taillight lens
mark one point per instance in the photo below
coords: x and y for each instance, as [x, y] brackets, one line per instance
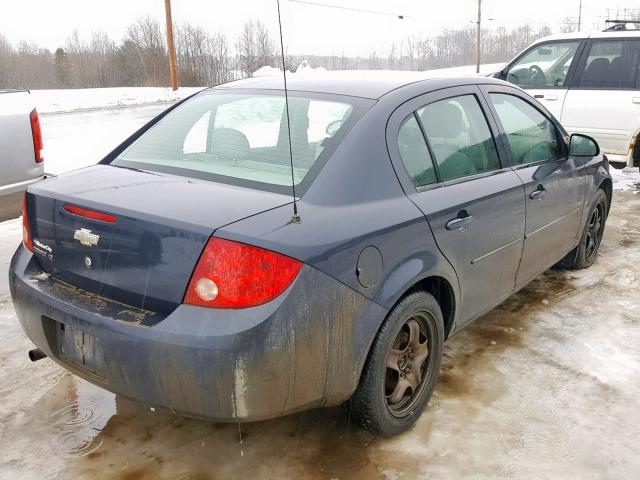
[26, 234]
[235, 275]
[92, 214]
[36, 133]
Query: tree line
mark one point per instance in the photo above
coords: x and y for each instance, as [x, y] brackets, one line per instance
[140, 58]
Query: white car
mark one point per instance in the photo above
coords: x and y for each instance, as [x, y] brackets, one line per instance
[591, 82]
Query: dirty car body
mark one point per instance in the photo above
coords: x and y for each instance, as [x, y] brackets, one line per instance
[115, 308]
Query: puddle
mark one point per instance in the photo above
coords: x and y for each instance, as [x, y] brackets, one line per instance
[78, 425]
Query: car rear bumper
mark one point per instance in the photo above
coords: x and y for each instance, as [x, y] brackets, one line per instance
[302, 350]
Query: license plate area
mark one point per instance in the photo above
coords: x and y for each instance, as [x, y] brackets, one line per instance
[80, 349]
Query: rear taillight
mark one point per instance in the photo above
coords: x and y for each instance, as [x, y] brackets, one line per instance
[236, 275]
[36, 133]
[92, 214]
[26, 234]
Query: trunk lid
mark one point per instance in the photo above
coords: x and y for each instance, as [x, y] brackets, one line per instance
[146, 256]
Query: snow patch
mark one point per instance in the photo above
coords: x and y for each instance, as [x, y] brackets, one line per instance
[626, 180]
[11, 228]
[78, 99]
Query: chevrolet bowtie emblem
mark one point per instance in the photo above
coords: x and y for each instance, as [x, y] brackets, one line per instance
[85, 237]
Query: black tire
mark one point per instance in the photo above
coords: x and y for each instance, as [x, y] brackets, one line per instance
[382, 406]
[587, 251]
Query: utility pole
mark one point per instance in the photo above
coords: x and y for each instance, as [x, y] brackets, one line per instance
[580, 15]
[171, 46]
[478, 36]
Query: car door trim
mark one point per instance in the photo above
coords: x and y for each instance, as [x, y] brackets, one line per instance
[537, 230]
[499, 249]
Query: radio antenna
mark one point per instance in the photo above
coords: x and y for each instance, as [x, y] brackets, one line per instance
[295, 218]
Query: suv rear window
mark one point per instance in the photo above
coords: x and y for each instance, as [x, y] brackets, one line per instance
[242, 139]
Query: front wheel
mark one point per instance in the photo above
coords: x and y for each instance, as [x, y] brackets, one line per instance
[587, 252]
[402, 368]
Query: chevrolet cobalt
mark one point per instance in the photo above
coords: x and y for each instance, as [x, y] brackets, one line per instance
[248, 255]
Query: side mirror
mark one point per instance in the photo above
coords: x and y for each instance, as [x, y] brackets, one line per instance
[583, 146]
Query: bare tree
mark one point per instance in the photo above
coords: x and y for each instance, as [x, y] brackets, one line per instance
[147, 36]
[568, 25]
[205, 58]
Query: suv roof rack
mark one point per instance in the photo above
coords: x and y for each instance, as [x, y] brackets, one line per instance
[622, 25]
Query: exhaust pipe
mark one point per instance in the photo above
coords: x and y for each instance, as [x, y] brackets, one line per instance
[36, 354]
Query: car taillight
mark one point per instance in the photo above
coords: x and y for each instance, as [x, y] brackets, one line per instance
[235, 275]
[92, 214]
[36, 133]
[26, 235]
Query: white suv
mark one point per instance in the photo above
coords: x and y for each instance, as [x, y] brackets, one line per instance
[591, 82]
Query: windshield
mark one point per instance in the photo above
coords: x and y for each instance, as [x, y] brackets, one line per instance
[243, 139]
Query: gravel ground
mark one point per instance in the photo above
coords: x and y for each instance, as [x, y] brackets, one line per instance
[545, 386]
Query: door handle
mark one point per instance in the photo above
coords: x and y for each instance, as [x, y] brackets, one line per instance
[538, 193]
[635, 99]
[461, 222]
[546, 97]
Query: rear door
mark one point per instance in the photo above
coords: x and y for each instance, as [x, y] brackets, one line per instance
[545, 70]
[474, 204]
[604, 100]
[554, 185]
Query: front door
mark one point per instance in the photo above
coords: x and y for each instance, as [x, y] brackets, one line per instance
[475, 206]
[604, 101]
[544, 72]
[554, 187]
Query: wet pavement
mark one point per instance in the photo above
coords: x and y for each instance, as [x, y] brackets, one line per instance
[545, 386]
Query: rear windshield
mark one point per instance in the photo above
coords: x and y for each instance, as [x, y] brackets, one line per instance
[241, 138]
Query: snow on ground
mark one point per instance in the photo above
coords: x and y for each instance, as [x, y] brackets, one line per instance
[69, 100]
[627, 179]
[81, 139]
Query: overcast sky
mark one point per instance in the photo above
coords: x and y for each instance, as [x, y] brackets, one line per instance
[307, 29]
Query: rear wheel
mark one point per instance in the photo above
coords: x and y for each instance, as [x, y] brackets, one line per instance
[402, 368]
[587, 252]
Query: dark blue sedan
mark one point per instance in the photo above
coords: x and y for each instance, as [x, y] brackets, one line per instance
[176, 273]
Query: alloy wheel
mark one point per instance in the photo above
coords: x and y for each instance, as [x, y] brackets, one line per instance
[595, 229]
[407, 364]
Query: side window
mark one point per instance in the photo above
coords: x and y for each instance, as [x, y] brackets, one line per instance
[531, 136]
[459, 137]
[611, 65]
[546, 65]
[414, 153]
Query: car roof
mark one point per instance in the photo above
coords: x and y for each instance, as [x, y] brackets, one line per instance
[371, 84]
[583, 35]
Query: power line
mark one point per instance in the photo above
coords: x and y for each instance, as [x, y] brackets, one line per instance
[352, 9]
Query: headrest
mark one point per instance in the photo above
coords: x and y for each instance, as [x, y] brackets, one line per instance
[596, 71]
[443, 119]
[230, 143]
[620, 72]
[410, 134]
